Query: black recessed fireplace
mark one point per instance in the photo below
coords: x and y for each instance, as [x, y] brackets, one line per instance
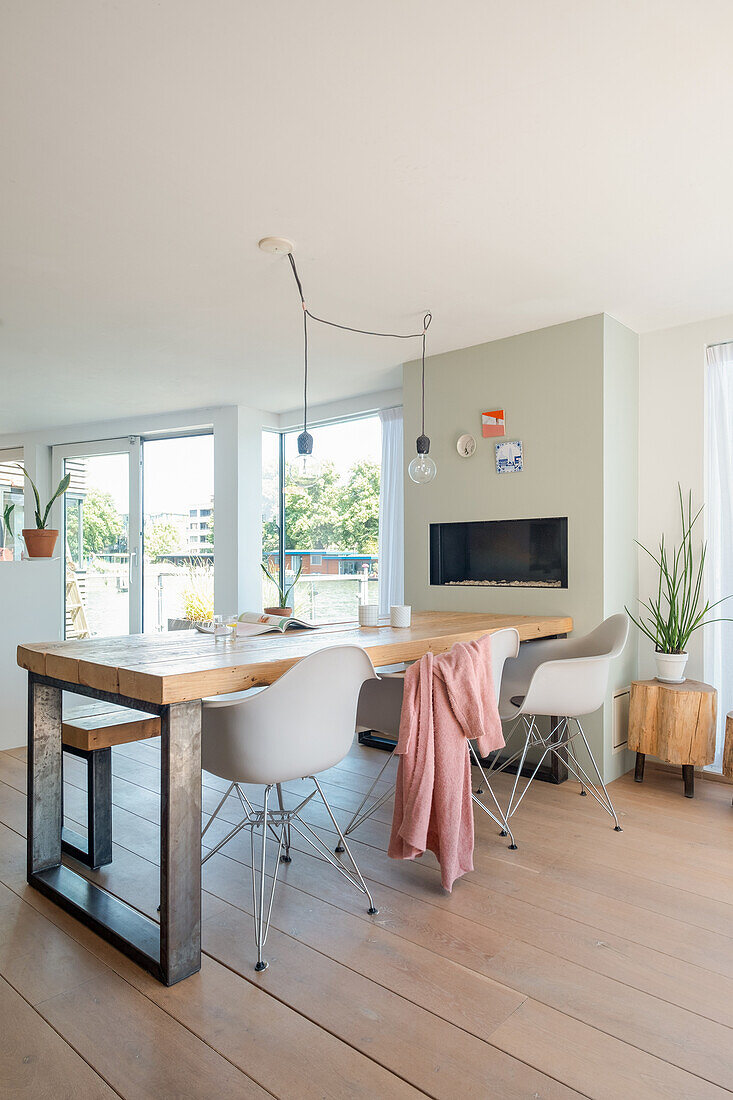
[522, 553]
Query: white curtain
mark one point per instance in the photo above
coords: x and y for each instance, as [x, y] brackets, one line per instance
[719, 516]
[391, 513]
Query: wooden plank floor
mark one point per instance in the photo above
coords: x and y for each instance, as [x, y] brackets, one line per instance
[586, 963]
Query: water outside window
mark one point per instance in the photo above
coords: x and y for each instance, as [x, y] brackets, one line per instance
[332, 527]
[178, 531]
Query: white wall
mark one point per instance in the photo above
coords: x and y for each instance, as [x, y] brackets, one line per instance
[672, 444]
[333, 411]
[29, 602]
[620, 496]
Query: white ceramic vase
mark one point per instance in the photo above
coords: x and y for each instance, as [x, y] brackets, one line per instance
[671, 667]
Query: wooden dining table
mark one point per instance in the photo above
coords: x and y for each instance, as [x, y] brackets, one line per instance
[168, 675]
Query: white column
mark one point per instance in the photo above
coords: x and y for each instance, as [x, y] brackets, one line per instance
[237, 508]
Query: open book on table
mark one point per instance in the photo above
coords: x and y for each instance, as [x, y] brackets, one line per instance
[252, 622]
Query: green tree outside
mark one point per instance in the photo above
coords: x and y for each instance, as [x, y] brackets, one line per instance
[102, 526]
[162, 538]
[334, 514]
[359, 509]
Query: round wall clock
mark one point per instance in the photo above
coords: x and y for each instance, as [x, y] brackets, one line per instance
[466, 446]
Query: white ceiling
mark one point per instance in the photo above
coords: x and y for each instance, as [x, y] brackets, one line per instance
[507, 164]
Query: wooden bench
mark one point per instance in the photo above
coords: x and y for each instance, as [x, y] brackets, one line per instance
[89, 730]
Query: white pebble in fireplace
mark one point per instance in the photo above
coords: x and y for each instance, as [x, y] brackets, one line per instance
[507, 584]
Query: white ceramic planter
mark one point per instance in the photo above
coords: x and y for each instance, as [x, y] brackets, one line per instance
[671, 667]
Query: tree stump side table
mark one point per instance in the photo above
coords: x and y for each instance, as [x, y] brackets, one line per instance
[675, 722]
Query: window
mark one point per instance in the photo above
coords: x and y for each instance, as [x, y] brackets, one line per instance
[11, 499]
[332, 526]
[75, 529]
[718, 637]
[271, 500]
[178, 548]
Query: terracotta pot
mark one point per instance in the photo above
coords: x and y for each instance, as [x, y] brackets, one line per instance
[40, 542]
[283, 612]
[6, 553]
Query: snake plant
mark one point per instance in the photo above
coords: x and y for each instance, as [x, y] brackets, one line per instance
[8, 522]
[63, 485]
[671, 617]
[283, 591]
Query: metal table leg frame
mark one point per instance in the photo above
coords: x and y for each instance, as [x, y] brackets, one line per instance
[94, 850]
[45, 786]
[180, 841]
[172, 950]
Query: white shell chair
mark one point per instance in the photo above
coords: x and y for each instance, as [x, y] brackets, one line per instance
[567, 678]
[301, 725]
[380, 705]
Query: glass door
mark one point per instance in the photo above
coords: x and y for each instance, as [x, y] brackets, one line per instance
[178, 531]
[101, 537]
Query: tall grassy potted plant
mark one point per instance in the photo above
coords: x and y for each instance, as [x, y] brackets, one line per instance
[670, 618]
[284, 591]
[197, 597]
[41, 540]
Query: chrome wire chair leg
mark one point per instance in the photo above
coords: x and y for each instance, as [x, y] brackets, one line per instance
[561, 738]
[606, 800]
[229, 790]
[503, 823]
[285, 857]
[553, 743]
[261, 914]
[361, 883]
[497, 765]
[520, 767]
[358, 817]
[571, 753]
[277, 824]
[232, 832]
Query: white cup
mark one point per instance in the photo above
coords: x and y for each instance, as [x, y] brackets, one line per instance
[400, 615]
[368, 614]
